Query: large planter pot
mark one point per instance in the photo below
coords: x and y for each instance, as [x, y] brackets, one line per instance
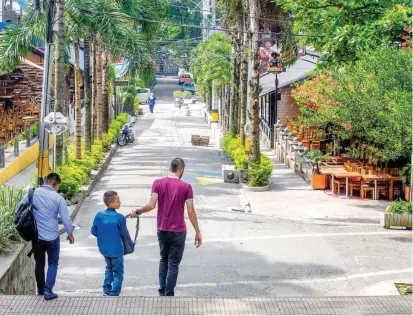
[407, 193]
[256, 189]
[396, 220]
[318, 181]
[243, 175]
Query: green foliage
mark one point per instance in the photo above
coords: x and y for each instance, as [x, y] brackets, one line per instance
[341, 29]
[260, 174]
[211, 61]
[406, 174]
[236, 152]
[316, 156]
[186, 95]
[399, 207]
[136, 105]
[178, 94]
[9, 198]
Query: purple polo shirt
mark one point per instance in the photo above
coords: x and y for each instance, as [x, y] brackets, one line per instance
[172, 194]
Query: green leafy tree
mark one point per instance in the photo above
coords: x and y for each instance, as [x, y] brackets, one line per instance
[342, 28]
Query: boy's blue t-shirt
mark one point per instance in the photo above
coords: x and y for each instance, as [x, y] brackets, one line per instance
[152, 100]
[110, 227]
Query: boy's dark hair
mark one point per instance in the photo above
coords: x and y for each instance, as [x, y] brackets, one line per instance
[274, 54]
[109, 197]
[53, 179]
[176, 164]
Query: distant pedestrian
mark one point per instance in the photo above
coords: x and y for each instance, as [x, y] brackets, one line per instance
[110, 229]
[171, 194]
[49, 204]
[151, 102]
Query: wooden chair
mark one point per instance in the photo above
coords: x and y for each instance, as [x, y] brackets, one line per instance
[383, 187]
[355, 185]
[338, 184]
[365, 189]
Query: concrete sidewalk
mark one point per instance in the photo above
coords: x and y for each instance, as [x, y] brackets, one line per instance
[346, 306]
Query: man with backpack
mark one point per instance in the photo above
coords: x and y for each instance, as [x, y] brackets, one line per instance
[45, 204]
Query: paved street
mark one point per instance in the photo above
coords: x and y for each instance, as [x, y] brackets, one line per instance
[273, 251]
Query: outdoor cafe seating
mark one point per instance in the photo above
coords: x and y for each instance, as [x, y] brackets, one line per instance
[352, 178]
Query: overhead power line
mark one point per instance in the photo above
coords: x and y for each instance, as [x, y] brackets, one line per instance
[85, 10]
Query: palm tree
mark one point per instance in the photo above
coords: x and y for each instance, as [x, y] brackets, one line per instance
[78, 109]
[59, 72]
[255, 89]
[243, 74]
[99, 116]
[105, 89]
[87, 94]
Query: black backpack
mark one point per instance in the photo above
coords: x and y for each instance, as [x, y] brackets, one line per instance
[24, 220]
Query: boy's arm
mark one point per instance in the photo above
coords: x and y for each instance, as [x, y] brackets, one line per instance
[94, 230]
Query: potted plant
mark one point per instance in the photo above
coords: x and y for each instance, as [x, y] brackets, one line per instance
[406, 176]
[260, 175]
[318, 180]
[241, 163]
[398, 214]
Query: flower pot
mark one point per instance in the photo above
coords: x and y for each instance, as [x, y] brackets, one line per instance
[256, 189]
[318, 181]
[407, 193]
[396, 220]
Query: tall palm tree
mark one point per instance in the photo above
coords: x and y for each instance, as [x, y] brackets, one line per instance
[78, 109]
[255, 89]
[87, 94]
[243, 91]
[105, 89]
[60, 72]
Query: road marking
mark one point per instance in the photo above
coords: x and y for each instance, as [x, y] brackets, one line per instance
[207, 180]
[257, 282]
[235, 239]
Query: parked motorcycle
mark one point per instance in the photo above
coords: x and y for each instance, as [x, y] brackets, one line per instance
[125, 136]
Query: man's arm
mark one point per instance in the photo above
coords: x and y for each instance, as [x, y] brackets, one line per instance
[94, 229]
[147, 208]
[194, 221]
[67, 222]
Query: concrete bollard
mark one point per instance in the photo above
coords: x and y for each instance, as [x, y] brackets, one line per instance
[16, 144]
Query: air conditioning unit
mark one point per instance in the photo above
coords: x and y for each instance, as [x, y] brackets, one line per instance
[230, 174]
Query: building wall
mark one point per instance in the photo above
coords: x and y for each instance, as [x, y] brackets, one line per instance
[287, 107]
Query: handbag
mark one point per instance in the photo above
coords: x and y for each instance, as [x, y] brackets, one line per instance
[127, 249]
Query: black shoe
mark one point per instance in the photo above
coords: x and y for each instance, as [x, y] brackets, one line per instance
[49, 296]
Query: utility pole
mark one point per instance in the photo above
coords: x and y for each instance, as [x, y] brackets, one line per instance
[43, 160]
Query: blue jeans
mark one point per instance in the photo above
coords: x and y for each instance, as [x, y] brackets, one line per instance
[52, 248]
[112, 285]
[151, 106]
[172, 245]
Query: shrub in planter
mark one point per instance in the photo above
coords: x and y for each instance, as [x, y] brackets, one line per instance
[398, 214]
[187, 95]
[240, 158]
[318, 180]
[260, 174]
[9, 198]
[136, 104]
[178, 94]
[69, 187]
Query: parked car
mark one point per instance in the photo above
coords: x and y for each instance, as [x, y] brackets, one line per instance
[185, 77]
[189, 86]
[143, 94]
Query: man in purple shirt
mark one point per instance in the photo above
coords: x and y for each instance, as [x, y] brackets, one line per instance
[171, 194]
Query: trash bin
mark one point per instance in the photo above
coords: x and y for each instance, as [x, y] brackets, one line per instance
[214, 116]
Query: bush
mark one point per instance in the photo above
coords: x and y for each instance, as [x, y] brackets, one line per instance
[9, 198]
[260, 174]
[178, 94]
[136, 104]
[399, 207]
[235, 151]
[187, 95]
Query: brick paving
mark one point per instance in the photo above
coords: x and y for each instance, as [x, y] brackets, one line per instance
[131, 305]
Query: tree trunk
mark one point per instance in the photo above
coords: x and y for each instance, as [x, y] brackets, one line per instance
[233, 89]
[105, 88]
[94, 92]
[86, 89]
[243, 87]
[59, 94]
[254, 113]
[99, 95]
[78, 108]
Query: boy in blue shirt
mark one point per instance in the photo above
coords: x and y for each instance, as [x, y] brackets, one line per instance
[110, 229]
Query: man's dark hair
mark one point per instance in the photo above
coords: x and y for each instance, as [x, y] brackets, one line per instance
[109, 197]
[53, 179]
[176, 164]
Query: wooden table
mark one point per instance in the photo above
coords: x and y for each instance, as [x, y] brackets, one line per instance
[375, 178]
[340, 173]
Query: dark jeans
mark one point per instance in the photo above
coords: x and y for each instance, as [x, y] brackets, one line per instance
[112, 285]
[172, 245]
[52, 248]
[151, 107]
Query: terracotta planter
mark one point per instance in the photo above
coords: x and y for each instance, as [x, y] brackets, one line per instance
[318, 181]
[407, 193]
